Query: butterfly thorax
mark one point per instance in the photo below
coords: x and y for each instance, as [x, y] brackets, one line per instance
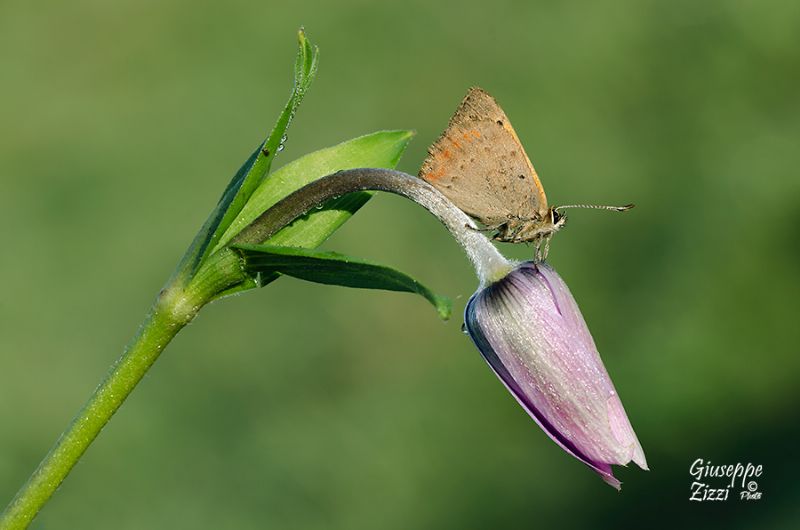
[529, 230]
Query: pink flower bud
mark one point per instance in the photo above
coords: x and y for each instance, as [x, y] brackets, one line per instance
[529, 329]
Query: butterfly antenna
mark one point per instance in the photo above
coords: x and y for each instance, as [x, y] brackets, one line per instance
[598, 207]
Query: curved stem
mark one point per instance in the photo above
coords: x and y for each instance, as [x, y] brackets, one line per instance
[177, 305]
[489, 264]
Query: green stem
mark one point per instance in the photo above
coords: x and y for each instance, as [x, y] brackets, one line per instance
[174, 308]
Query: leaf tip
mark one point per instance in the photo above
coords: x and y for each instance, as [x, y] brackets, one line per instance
[444, 307]
[307, 60]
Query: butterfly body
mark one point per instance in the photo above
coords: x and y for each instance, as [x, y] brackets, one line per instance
[528, 229]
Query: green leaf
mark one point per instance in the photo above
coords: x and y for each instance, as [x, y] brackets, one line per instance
[381, 149]
[256, 167]
[334, 269]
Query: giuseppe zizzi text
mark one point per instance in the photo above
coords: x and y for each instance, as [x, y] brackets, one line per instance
[705, 488]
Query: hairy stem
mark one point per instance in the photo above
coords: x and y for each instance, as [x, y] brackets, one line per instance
[177, 305]
[489, 264]
[174, 308]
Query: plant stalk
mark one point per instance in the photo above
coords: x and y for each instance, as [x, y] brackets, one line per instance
[178, 304]
[489, 264]
[175, 307]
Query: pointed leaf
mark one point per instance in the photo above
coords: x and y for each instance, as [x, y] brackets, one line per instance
[257, 166]
[334, 269]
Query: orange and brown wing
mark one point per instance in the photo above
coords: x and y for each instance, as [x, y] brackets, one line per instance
[480, 164]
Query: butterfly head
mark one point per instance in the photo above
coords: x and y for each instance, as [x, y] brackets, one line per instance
[557, 218]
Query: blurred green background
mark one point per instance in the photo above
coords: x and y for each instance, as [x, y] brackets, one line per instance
[311, 407]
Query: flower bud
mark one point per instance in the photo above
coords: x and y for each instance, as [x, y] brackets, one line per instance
[529, 329]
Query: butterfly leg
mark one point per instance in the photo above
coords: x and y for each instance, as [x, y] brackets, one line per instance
[503, 232]
[546, 245]
[542, 245]
[514, 234]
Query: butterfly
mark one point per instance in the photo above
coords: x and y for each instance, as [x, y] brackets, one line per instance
[479, 164]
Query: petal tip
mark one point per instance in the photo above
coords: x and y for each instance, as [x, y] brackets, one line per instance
[611, 481]
[638, 457]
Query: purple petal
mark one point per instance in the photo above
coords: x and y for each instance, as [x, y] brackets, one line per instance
[531, 333]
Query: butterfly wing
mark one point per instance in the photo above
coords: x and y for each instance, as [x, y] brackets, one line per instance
[480, 165]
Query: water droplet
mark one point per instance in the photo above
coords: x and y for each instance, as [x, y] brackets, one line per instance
[280, 148]
[464, 328]
[284, 138]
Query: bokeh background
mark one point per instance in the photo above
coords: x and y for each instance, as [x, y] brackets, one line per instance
[311, 407]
